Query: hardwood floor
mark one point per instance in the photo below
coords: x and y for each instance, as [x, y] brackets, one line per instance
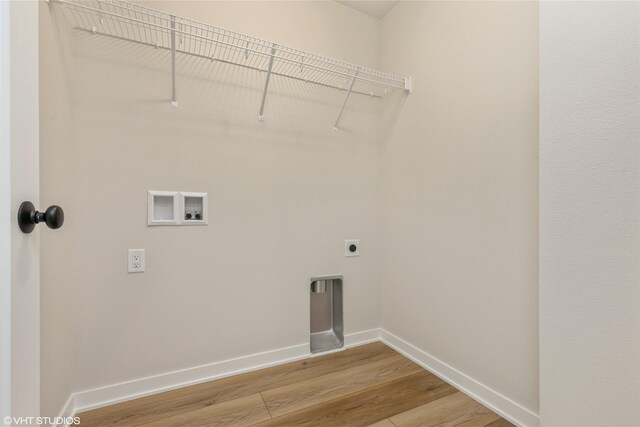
[371, 385]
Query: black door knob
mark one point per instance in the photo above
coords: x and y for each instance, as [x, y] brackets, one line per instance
[28, 217]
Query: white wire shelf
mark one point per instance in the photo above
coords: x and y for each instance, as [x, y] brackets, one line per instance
[143, 25]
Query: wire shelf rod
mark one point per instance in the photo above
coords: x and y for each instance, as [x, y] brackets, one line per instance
[227, 62]
[138, 24]
[394, 81]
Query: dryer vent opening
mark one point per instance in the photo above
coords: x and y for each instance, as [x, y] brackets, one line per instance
[327, 330]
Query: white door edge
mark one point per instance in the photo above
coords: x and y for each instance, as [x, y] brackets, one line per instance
[19, 181]
[5, 215]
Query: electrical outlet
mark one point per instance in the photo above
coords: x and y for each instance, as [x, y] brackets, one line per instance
[352, 247]
[136, 261]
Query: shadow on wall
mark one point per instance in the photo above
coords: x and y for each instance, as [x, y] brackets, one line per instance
[229, 94]
[392, 108]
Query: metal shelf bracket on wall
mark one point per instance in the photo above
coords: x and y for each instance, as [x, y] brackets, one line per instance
[135, 23]
[266, 82]
[346, 98]
[174, 101]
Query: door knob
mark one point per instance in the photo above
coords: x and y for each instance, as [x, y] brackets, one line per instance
[28, 217]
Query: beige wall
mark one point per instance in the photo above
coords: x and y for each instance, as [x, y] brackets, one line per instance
[56, 187]
[459, 271]
[283, 195]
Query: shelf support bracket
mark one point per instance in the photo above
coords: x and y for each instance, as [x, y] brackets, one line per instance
[266, 82]
[408, 84]
[174, 101]
[344, 103]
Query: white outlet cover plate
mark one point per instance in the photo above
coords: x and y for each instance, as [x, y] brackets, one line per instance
[136, 265]
[348, 243]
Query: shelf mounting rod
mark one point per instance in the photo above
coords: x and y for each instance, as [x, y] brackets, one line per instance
[174, 101]
[266, 82]
[346, 98]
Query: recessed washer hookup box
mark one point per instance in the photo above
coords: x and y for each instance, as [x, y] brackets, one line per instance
[327, 329]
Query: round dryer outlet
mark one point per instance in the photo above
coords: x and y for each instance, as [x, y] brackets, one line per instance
[352, 247]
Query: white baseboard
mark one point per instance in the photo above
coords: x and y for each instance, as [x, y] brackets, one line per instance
[121, 392]
[141, 387]
[490, 398]
[66, 413]
[361, 338]
[116, 393]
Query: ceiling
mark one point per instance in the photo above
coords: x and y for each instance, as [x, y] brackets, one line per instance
[377, 8]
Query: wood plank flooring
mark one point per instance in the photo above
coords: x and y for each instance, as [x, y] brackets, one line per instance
[370, 385]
